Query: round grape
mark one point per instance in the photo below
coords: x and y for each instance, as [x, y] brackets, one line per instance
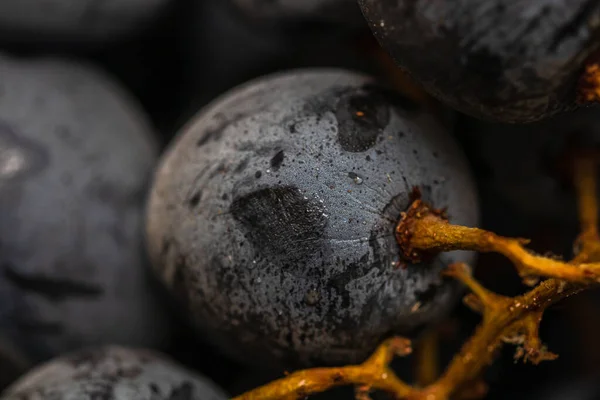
[76, 154]
[272, 216]
[113, 373]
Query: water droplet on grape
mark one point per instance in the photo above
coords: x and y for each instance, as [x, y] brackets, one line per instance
[355, 177]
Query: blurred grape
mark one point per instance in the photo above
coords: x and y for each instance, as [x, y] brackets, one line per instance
[76, 152]
[113, 372]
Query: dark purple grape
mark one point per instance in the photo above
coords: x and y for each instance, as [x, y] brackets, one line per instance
[114, 373]
[506, 61]
[76, 152]
[272, 217]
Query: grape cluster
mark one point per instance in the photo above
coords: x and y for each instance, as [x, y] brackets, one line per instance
[196, 196]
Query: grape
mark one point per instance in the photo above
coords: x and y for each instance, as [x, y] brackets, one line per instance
[272, 217]
[112, 372]
[505, 61]
[76, 153]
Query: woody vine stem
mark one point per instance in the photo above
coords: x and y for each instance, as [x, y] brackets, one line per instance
[424, 232]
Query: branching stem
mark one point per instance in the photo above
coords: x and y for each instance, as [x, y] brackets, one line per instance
[424, 232]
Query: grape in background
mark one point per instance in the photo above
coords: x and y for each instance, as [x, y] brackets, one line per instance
[512, 61]
[113, 372]
[76, 154]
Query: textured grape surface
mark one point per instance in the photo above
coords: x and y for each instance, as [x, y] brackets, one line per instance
[507, 61]
[272, 216]
[112, 373]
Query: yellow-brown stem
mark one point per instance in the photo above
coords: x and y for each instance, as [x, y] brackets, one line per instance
[423, 232]
[485, 299]
[427, 360]
[478, 352]
[588, 242]
[373, 374]
[429, 234]
[589, 85]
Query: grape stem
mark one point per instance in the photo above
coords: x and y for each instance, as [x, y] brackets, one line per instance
[589, 84]
[423, 232]
[372, 373]
[427, 361]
